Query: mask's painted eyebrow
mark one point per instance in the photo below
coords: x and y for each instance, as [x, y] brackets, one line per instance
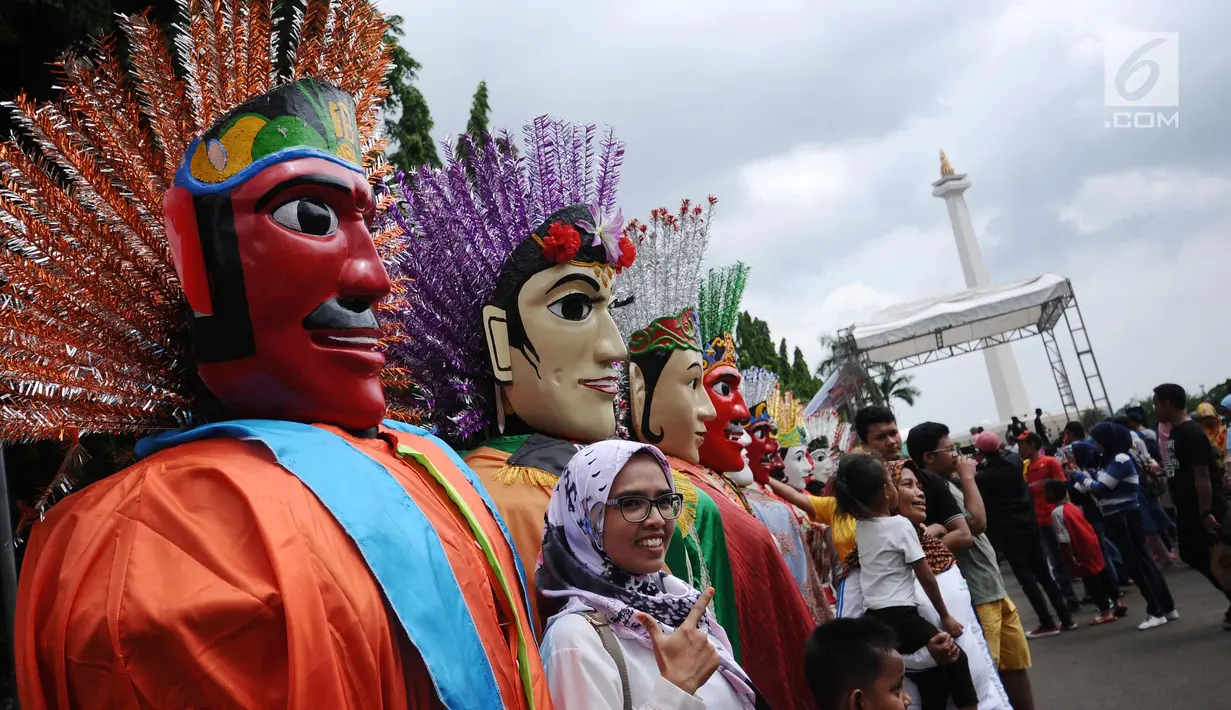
[330, 181]
[571, 278]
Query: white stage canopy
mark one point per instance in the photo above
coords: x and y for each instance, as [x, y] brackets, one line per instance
[914, 329]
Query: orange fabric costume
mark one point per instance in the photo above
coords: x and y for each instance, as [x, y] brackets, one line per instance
[522, 505]
[208, 576]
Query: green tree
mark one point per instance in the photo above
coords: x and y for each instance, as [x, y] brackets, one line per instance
[476, 126]
[755, 345]
[479, 109]
[829, 359]
[408, 122]
[889, 385]
[1093, 415]
[803, 384]
[783, 366]
[34, 33]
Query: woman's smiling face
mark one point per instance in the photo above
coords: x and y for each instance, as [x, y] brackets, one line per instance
[911, 502]
[638, 548]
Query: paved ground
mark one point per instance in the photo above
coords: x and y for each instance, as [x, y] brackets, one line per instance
[1185, 664]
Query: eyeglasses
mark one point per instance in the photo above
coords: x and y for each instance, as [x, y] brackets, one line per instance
[635, 509]
[952, 450]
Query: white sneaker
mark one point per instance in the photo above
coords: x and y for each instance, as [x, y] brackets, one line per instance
[1152, 622]
[1173, 615]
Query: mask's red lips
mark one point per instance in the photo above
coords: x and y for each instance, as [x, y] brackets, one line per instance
[606, 385]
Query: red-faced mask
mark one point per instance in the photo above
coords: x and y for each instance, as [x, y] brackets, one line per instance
[763, 455]
[721, 450]
[280, 268]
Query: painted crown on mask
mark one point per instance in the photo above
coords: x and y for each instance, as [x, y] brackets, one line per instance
[758, 386]
[788, 415]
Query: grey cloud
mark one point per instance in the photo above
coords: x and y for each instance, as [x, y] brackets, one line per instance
[1013, 91]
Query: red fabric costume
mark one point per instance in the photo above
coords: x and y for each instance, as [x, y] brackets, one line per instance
[774, 623]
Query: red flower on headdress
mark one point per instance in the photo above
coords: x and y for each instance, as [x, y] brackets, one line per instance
[712, 199]
[562, 242]
[628, 253]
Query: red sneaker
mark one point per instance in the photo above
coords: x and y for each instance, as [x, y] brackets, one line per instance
[1043, 632]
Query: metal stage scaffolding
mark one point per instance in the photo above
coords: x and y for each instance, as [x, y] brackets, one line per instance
[914, 334]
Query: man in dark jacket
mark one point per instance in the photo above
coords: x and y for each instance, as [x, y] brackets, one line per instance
[1014, 532]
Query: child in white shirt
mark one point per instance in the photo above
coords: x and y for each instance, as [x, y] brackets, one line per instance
[890, 559]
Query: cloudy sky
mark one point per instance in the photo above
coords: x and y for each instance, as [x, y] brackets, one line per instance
[817, 125]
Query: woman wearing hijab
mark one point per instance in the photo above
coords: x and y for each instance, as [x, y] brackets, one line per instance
[628, 635]
[1215, 431]
[1116, 489]
[921, 666]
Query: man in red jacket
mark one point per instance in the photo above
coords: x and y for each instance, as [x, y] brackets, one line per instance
[1041, 468]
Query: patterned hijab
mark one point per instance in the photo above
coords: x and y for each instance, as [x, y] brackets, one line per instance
[574, 566]
[1212, 424]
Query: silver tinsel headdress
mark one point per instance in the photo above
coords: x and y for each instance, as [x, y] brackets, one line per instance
[758, 386]
[664, 282]
[472, 229]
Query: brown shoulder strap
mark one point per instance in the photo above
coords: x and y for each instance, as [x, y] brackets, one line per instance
[612, 646]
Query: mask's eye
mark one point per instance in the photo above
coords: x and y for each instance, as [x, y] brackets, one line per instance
[574, 307]
[308, 216]
[722, 389]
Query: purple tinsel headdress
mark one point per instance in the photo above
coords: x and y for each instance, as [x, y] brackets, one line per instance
[461, 223]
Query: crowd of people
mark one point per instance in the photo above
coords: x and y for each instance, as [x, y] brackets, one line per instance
[1105, 508]
[465, 438]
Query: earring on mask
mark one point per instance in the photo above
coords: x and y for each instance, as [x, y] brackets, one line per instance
[499, 409]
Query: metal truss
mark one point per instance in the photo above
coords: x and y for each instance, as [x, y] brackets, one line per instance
[1053, 311]
[944, 352]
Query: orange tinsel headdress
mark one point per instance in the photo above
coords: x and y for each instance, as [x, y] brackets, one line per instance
[93, 334]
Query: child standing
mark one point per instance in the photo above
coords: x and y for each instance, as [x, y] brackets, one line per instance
[890, 559]
[1080, 548]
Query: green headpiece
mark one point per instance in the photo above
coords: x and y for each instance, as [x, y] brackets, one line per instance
[718, 310]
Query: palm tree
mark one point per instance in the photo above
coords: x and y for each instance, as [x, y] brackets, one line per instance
[829, 361]
[890, 386]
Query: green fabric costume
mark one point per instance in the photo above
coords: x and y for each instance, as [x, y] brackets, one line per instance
[697, 554]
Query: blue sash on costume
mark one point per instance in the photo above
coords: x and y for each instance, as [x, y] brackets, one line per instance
[399, 544]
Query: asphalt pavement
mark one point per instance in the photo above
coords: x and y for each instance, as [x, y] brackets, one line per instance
[1185, 664]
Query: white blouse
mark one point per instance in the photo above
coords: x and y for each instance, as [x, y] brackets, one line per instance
[583, 676]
